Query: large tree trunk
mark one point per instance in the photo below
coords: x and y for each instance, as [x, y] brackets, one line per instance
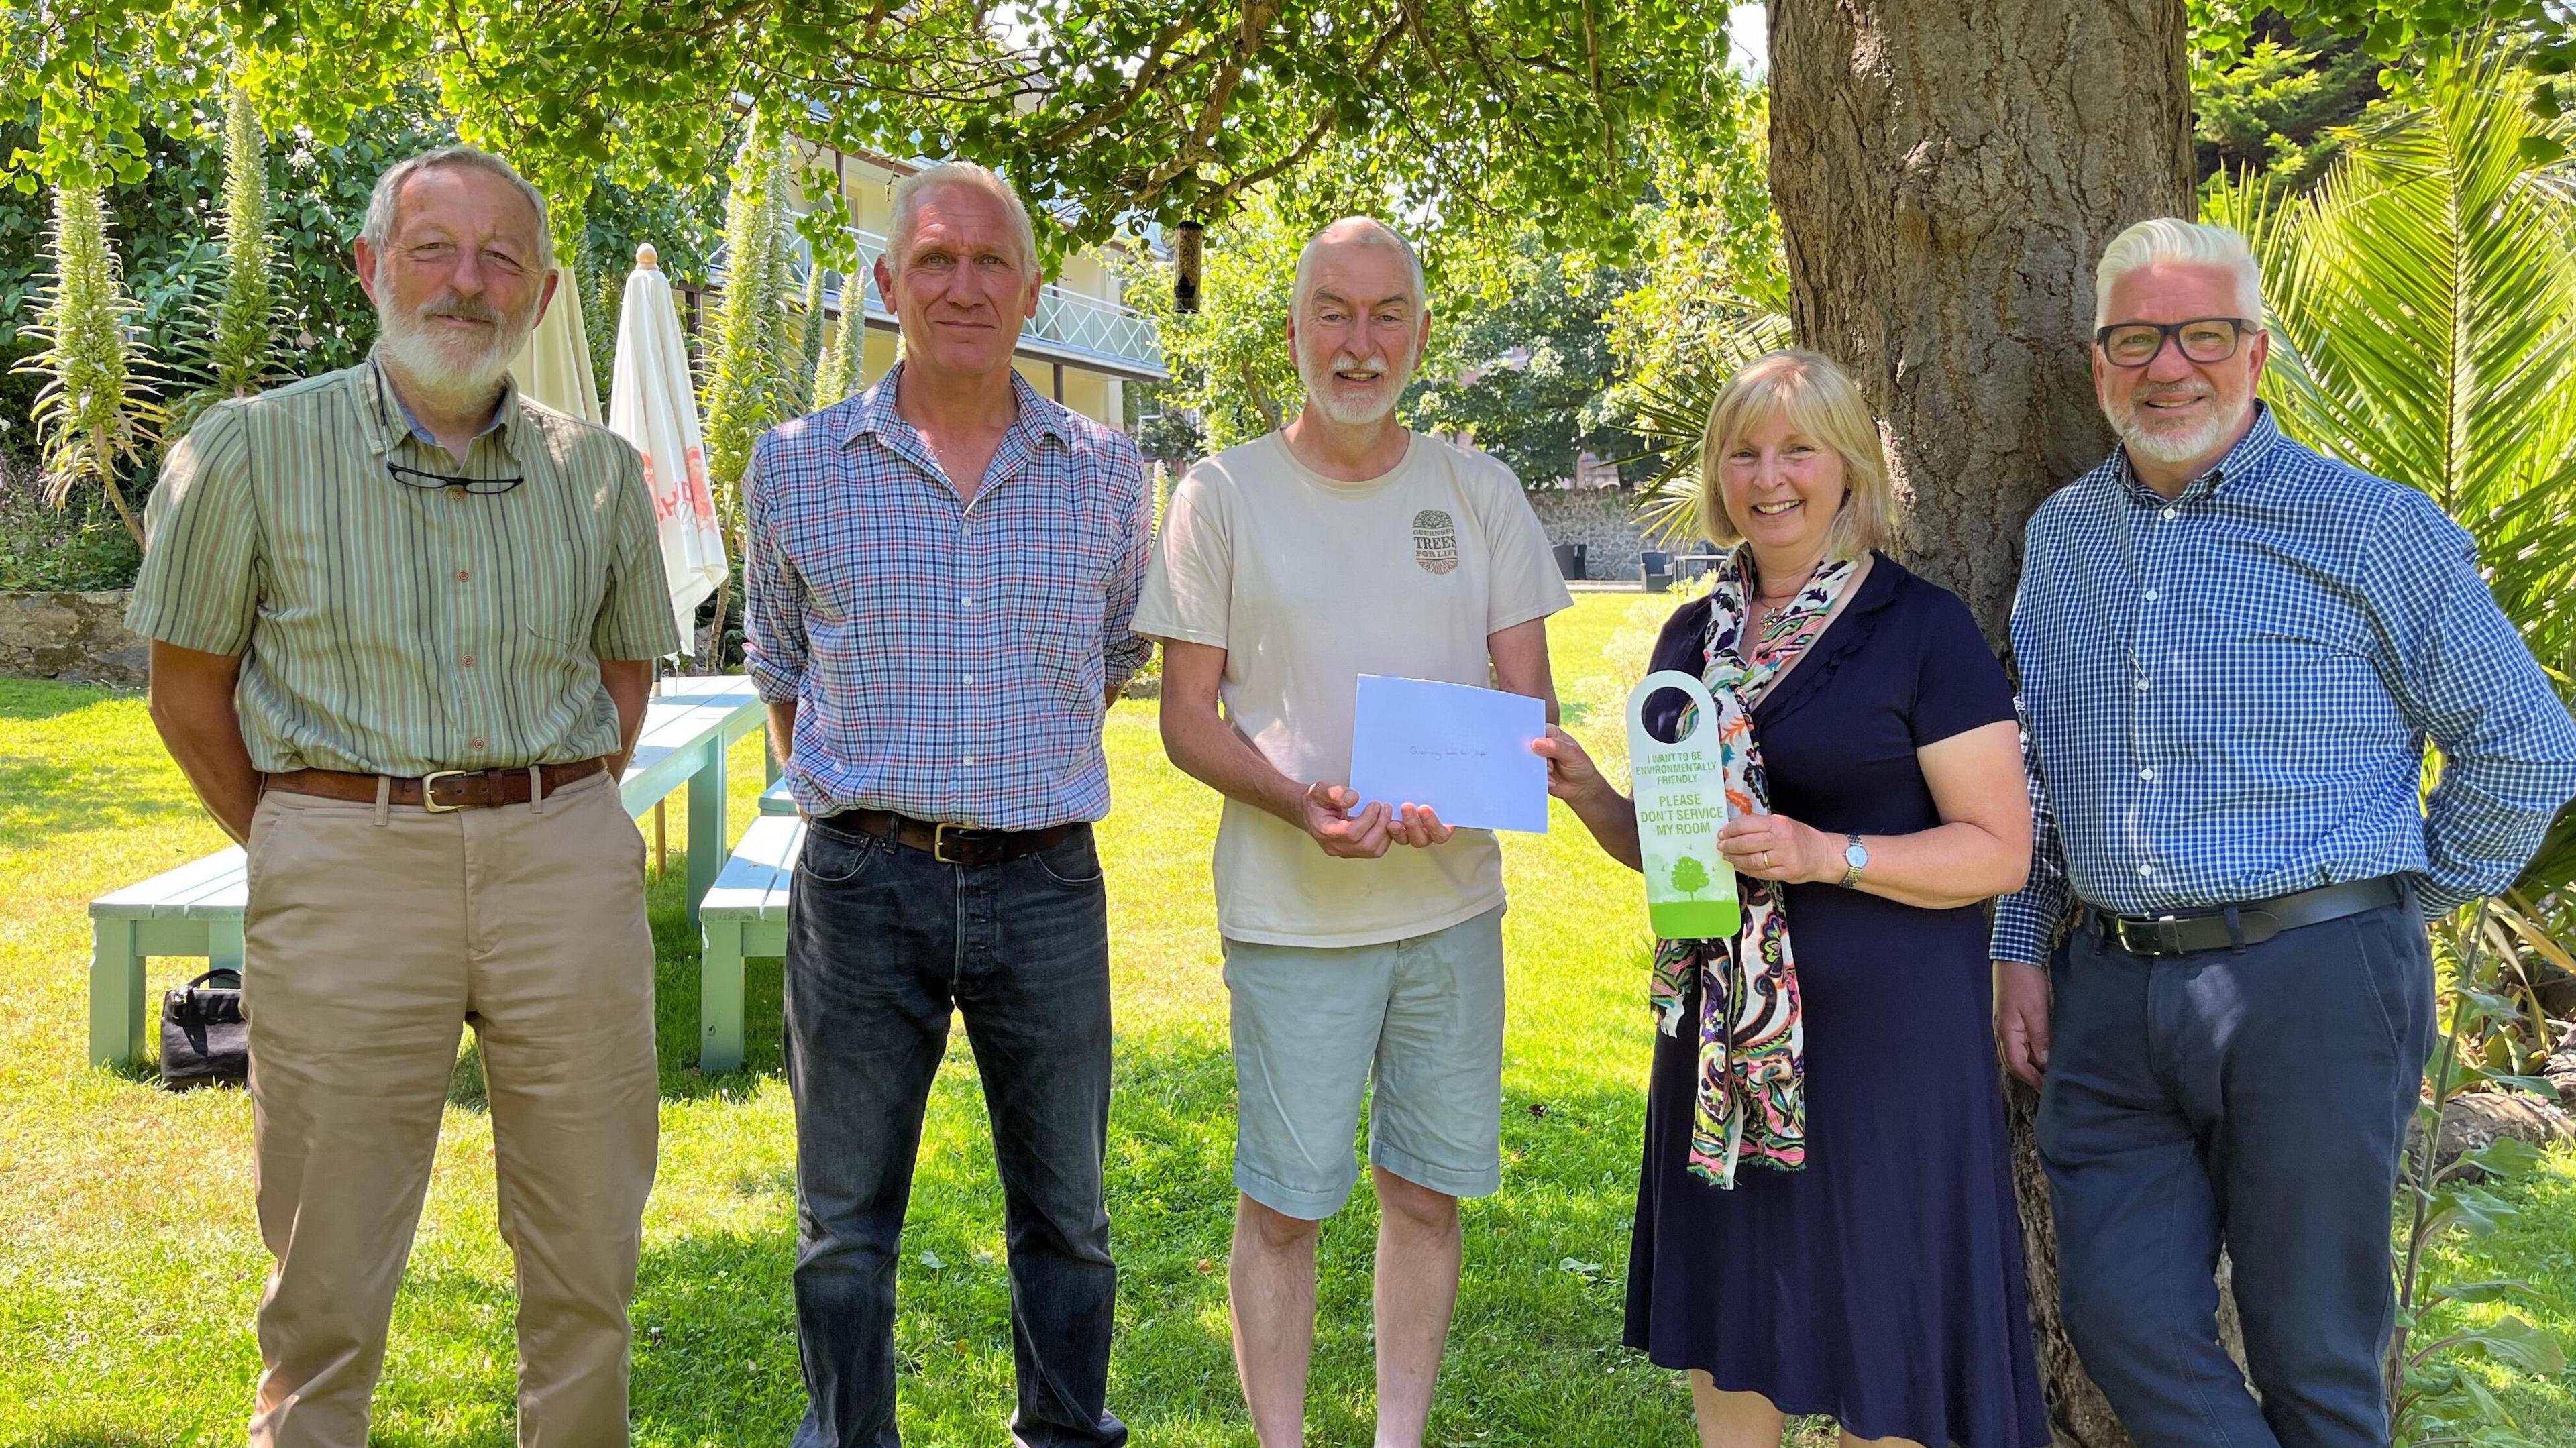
[1947, 172]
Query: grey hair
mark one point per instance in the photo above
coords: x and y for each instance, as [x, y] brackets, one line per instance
[1361, 231]
[912, 190]
[379, 225]
[2184, 243]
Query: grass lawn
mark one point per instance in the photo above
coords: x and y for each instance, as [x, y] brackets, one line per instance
[130, 1261]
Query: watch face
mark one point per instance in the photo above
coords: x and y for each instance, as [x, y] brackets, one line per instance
[1855, 857]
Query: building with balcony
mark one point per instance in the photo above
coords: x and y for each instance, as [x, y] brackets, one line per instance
[1084, 346]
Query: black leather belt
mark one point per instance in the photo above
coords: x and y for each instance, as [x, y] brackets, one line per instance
[948, 844]
[2231, 926]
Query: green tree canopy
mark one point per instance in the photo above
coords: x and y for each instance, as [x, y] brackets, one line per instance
[1110, 111]
[1523, 364]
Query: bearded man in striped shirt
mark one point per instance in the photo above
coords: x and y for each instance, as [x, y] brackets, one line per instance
[402, 623]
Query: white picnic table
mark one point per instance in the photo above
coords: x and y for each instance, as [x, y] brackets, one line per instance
[196, 909]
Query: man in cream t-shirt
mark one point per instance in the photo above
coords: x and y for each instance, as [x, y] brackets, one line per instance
[1357, 942]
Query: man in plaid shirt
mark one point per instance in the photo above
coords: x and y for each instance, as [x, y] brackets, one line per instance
[2233, 651]
[940, 575]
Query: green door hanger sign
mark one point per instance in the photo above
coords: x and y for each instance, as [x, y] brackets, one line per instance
[1681, 802]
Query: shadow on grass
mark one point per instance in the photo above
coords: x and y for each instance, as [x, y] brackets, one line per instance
[467, 1089]
[716, 1348]
[30, 699]
[145, 1068]
[1534, 1361]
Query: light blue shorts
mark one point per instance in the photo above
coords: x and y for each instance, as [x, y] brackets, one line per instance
[1312, 1025]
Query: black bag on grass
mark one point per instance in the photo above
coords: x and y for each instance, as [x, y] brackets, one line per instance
[204, 1040]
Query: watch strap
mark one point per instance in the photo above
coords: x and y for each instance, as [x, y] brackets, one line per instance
[1851, 866]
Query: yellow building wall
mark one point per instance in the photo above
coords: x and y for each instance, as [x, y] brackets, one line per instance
[876, 358]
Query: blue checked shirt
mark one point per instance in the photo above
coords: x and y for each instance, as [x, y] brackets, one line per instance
[947, 662]
[2227, 695]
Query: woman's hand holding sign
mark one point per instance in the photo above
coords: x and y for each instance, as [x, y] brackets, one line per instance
[1776, 847]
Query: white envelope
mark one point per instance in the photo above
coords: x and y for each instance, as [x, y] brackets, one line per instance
[1462, 751]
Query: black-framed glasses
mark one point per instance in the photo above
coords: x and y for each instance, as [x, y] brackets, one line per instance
[479, 487]
[2202, 339]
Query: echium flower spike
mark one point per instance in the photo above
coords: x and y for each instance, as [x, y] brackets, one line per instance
[245, 321]
[741, 386]
[92, 413]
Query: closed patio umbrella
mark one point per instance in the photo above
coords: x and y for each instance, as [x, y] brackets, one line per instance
[554, 366]
[652, 406]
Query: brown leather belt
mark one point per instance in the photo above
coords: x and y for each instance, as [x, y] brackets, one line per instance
[439, 791]
[948, 844]
[2235, 926]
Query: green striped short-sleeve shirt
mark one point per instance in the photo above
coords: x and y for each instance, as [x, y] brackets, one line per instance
[389, 628]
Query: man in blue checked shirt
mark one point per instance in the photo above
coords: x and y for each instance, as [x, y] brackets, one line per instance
[2233, 651]
[940, 573]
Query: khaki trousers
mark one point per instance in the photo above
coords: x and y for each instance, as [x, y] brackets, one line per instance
[373, 937]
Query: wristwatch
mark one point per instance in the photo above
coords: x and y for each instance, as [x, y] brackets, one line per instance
[1855, 860]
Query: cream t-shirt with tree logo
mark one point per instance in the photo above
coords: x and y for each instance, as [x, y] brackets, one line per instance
[1307, 583]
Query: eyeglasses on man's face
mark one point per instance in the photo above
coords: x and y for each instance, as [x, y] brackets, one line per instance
[2202, 339]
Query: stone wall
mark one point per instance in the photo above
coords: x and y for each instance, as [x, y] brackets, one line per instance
[1603, 518]
[79, 638]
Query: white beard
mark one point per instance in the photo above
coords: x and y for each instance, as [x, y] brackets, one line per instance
[450, 375]
[1322, 391]
[2165, 445]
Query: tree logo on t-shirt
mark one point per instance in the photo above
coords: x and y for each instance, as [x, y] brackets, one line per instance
[1435, 541]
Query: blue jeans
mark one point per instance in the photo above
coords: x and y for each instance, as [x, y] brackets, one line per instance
[2254, 1098]
[882, 942]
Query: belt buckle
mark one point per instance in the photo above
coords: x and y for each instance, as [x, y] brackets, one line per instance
[429, 790]
[939, 844]
[2138, 936]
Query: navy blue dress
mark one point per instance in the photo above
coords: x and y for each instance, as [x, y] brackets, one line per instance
[1883, 1284]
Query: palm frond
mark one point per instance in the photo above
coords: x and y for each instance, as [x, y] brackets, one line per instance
[2423, 306]
[2553, 866]
[1672, 416]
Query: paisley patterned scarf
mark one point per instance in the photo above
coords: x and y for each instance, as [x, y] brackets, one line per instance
[1751, 1092]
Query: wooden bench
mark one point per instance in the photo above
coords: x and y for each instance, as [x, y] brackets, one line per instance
[745, 915]
[196, 909]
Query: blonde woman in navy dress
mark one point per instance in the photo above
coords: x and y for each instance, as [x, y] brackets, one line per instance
[1825, 1222]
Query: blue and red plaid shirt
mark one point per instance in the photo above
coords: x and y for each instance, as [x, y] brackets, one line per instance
[947, 662]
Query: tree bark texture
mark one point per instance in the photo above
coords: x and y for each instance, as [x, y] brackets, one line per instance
[1947, 173]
